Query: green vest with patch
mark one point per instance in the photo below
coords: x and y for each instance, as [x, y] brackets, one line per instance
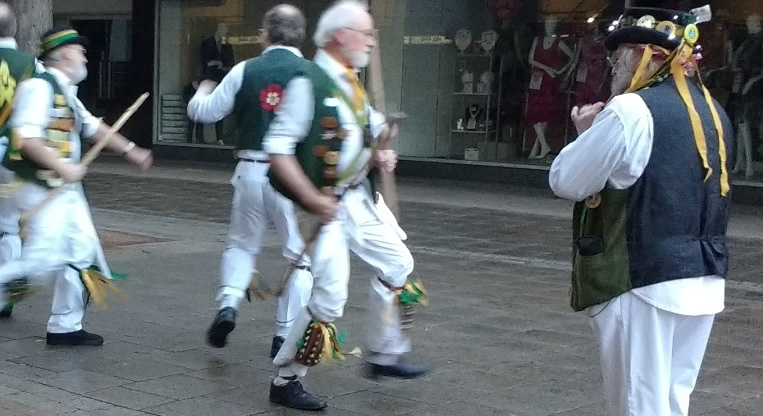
[318, 154]
[15, 66]
[265, 78]
[58, 136]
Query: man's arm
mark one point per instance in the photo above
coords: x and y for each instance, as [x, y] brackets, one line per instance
[211, 104]
[96, 130]
[290, 126]
[605, 152]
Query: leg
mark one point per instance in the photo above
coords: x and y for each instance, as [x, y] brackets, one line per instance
[378, 244]
[247, 227]
[635, 343]
[331, 271]
[220, 132]
[297, 294]
[10, 249]
[689, 344]
[540, 134]
[68, 307]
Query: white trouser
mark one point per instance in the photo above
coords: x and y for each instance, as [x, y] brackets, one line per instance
[59, 236]
[650, 358]
[255, 205]
[358, 227]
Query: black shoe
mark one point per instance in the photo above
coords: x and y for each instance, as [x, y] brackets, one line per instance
[6, 312]
[399, 370]
[80, 337]
[293, 395]
[217, 334]
[276, 346]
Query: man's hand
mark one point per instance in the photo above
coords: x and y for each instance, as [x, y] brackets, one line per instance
[324, 207]
[140, 158]
[583, 117]
[206, 87]
[386, 160]
[71, 172]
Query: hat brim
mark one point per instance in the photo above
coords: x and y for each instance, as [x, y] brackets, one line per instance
[78, 40]
[640, 36]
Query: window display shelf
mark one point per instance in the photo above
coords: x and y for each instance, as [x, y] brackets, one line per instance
[473, 131]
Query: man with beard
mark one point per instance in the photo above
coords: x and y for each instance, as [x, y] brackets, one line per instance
[320, 146]
[252, 91]
[46, 125]
[649, 173]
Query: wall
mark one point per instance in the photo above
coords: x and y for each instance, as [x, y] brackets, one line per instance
[87, 7]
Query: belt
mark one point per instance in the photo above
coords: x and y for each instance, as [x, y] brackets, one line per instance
[244, 159]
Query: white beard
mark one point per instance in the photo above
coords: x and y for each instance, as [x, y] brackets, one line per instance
[358, 59]
[79, 73]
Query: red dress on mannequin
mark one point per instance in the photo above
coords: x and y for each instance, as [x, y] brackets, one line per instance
[592, 69]
[544, 95]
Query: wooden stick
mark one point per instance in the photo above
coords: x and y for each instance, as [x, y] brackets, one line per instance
[388, 182]
[86, 160]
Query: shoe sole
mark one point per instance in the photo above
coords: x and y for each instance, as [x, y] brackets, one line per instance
[218, 334]
[321, 407]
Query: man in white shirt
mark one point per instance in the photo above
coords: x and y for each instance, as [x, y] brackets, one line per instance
[649, 172]
[61, 243]
[252, 91]
[320, 146]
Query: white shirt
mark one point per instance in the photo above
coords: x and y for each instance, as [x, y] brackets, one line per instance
[294, 117]
[34, 103]
[215, 106]
[614, 153]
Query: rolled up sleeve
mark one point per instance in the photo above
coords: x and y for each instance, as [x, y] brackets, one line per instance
[90, 123]
[378, 122]
[215, 106]
[293, 118]
[32, 103]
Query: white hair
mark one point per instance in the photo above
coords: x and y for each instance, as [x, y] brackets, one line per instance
[340, 15]
[56, 55]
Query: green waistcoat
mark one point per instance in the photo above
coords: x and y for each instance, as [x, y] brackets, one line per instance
[15, 66]
[58, 136]
[600, 277]
[318, 154]
[265, 78]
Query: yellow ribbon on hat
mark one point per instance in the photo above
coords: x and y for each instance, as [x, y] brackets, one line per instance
[674, 65]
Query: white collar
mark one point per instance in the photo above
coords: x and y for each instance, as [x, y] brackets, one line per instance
[332, 67]
[291, 49]
[8, 43]
[63, 80]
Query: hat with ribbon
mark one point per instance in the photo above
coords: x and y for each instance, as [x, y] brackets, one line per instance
[672, 36]
[60, 36]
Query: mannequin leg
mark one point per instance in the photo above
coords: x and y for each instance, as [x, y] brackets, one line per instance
[535, 150]
[540, 133]
[744, 157]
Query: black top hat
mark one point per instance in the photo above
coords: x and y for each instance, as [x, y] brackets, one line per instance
[58, 37]
[660, 27]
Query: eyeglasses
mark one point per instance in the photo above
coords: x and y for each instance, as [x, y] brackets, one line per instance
[369, 33]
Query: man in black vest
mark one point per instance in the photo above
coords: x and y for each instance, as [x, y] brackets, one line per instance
[216, 61]
[252, 91]
[649, 172]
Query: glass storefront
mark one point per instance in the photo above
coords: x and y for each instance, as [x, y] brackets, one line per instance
[483, 81]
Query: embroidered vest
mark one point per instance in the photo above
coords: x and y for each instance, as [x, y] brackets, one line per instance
[58, 136]
[318, 154]
[265, 78]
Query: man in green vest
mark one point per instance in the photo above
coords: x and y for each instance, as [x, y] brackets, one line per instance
[322, 145]
[252, 91]
[46, 127]
[15, 66]
[650, 175]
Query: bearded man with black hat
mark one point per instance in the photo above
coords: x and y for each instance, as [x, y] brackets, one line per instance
[649, 172]
[46, 124]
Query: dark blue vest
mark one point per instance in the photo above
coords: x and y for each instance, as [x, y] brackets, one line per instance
[677, 220]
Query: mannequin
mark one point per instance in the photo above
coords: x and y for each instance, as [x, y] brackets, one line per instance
[591, 84]
[748, 72]
[717, 58]
[544, 95]
[216, 60]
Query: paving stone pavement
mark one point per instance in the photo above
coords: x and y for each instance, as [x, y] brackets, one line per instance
[498, 332]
